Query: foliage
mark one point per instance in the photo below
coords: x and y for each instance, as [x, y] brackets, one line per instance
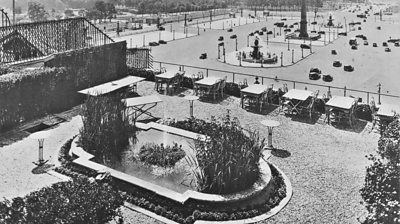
[68, 13]
[36, 12]
[107, 10]
[106, 129]
[78, 201]
[63, 154]
[160, 155]
[229, 159]
[381, 191]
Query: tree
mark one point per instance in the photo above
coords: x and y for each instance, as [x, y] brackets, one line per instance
[36, 12]
[93, 14]
[68, 13]
[381, 191]
[110, 11]
[100, 6]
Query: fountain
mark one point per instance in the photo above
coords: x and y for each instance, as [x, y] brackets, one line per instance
[256, 56]
[330, 23]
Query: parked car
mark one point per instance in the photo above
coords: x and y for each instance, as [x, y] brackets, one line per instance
[379, 28]
[393, 40]
[360, 36]
[279, 24]
[221, 38]
[296, 23]
[334, 52]
[203, 56]
[327, 78]
[354, 47]
[314, 23]
[342, 34]
[315, 70]
[359, 28]
[161, 28]
[365, 42]
[314, 76]
[230, 30]
[260, 33]
[291, 26]
[283, 19]
[348, 68]
[337, 64]
[375, 45]
[264, 29]
[153, 44]
[388, 49]
[269, 32]
[321, 32]
[251, 34]
[305, 46]
[234, 36]
[384, 44]
[287, 30]
[162, 42]
[313, 31]
[397, 44]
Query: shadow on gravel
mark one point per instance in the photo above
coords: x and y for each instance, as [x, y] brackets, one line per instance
[42, 169]
[281, 153]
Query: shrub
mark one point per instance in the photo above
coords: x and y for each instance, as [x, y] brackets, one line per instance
[160, 155]
[381, 192]
[63, 155]
[106, 129]
[229, 161]
[147, 74]
[79, 201]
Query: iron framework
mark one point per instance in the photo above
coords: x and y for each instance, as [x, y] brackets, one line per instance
[29, 41]
[5, 20]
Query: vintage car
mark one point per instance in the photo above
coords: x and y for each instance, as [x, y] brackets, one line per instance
[221, 38]
[321, 32]
[314, 76]
[305, 46]
[234, 36]
[334, 52]
[375, 45]
[388, 49]
[327, 78]
[342, 34]
[230, 30]
[365, 42]
[315, 70]
[337, 64]
[384, 44]
[203, 56]
[348, 68]
[162, 42]
[154, 44]
[354, 47]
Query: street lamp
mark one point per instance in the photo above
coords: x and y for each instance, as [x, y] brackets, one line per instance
[40, 136]
[236, 43]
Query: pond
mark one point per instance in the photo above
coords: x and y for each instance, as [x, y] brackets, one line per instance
[178, 178]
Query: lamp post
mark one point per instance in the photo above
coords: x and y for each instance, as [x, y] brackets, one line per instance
[236, 43]
[40, 136]
[288, 47]
[248, 36]
[144, 40]
[191, 100]
[223, 52]
[270, 124]
[292, 56]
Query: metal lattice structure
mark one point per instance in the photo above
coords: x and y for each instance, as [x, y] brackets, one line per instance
[5, 20]
[139, 58]
[29, 41]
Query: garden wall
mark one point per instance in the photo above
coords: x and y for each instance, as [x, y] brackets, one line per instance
[31, 93]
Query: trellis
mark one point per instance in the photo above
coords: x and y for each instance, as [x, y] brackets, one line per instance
[32, 40]
[139, 58]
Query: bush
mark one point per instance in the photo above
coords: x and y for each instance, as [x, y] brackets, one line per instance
[229, 161]
[147, 74]
[79, 201]
[160, 155]
[381, 192]
[106, 129]
[63, 155]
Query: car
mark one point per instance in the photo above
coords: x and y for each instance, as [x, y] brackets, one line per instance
[261, 33]
[359, 28]
[342, 34]
[251, 34]
[153, 44]
[337, 64]
[393, 40]
[327, 78]
[297, 31]
[354, 47]
[379, 28]
[234, 36]
[387, 49]
[364, 20]
[313, 31]
[360, 36]
[264, 29]
[314, 76]
[384, 44]
[162, 42]
[291, 26]
[287, 30]
[161, 28]
[334, 52]
[296, 23]
[315, 70]
[221, 38]
[321, 32]
[305, 46]
[256, 32]
[357, 23]
[365, 42]
[397, 44]
[221, 44]
[270, 32]
[230, 30]
[283, 19]
[203, 56]
[279, 24]
[314, 23]
[348, 68]
[375, 45]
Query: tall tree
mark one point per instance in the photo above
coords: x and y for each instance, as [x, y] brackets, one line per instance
[36, 12]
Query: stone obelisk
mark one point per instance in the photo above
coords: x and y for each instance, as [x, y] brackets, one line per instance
[303, 21]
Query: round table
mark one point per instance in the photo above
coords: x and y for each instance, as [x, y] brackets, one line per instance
[270, 124]
[191, 99]
[40, 136]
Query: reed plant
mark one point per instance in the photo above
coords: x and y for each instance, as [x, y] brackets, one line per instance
[106, 128]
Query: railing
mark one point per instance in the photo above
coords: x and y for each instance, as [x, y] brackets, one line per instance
[28, 41]
[237, 77]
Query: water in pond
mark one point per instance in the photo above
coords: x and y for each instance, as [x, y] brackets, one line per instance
[177, 178]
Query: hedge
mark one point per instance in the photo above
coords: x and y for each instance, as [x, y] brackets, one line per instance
[27, 94]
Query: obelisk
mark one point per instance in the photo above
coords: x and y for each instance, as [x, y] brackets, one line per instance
[303, 21]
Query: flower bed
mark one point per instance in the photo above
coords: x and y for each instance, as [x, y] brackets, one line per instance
[160, 155]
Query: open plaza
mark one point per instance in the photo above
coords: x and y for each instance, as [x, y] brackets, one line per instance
[240, 117]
